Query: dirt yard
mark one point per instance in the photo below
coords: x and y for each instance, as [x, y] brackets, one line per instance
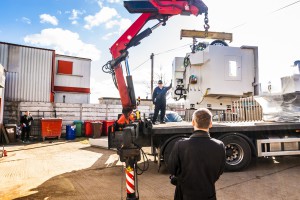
[75, 170]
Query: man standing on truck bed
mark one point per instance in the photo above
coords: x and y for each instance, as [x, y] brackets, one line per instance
[159, 100]
[196, 163]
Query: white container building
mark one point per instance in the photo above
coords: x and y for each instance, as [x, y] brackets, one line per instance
[39, 75]
[72, 79]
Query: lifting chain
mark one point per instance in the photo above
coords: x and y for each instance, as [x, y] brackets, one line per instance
[206, 25]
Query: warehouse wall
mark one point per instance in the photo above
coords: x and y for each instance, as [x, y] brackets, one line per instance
[28, 72]
[68, 112]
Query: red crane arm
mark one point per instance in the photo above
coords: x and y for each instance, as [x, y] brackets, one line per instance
[152, 9]
[116, 50]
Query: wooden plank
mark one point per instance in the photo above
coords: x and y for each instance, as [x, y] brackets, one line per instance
[93, 106]
[103, 110]
[202, 34]
[69, 109]
[35, 104]
[41, 109]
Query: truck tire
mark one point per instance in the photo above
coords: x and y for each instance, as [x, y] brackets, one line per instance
[238, 152]
[168, 149]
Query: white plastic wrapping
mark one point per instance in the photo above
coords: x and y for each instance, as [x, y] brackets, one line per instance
[280, 107]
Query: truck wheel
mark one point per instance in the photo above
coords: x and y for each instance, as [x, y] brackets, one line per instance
[238, 153]
[168, 149]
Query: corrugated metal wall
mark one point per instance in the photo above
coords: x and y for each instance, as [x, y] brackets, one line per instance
[4, 55]
[29, 72]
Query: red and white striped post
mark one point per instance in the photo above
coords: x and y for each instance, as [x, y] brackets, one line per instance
[130, 180]
[130, 183]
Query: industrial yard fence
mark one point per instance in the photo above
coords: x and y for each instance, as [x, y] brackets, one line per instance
[245, 109]
[242, 110]
[66, 111]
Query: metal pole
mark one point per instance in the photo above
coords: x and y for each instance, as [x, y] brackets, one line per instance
[130, 179]
[152, 64]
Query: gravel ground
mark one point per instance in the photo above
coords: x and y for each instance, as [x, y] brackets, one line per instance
[75, 170]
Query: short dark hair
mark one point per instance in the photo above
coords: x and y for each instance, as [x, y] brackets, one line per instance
[202, 118]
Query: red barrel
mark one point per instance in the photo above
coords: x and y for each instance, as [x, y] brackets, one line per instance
[106, 125]
[88, 128]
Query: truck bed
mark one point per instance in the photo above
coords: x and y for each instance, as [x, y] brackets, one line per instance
[186, 127]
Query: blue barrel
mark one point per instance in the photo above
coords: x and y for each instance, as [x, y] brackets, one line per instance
[70, 132]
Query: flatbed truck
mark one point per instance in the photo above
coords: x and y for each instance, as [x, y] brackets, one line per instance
[243, 140]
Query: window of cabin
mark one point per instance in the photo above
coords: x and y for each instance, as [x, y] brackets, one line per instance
[233, 68]
[65, 67]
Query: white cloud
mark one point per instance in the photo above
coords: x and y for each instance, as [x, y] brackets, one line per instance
[123, 24]
[26, 20]
[109, 35]
[75, 15]
[64, 42]
[113, 1]
[110, 24]
[45, 18]
[97, 89]
[100, 3]
[104, 15]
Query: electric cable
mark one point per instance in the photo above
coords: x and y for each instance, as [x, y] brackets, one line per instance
[277, 10]
[163, 52]
[145, 161]
[107, 68]
[141, 64]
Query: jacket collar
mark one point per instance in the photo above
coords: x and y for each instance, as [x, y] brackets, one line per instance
[200, 133]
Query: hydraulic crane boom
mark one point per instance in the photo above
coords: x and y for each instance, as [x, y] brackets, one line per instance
[129, 151]
[152, 9]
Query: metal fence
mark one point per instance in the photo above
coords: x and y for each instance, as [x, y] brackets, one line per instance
[245, 109]
[242, 110]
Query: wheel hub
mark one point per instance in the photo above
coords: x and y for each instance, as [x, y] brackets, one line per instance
[234, 154]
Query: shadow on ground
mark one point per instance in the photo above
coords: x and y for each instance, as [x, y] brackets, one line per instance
[108, 183]
[101, 182]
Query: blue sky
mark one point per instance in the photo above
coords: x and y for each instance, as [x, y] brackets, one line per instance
[87, 28]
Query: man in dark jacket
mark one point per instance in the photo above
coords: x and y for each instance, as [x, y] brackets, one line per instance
[159, 100]
[197, 162]
[26, 121]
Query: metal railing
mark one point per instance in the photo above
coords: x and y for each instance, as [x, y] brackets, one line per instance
[243, 110]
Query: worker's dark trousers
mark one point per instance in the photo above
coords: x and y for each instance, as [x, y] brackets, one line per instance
[25, 130]
[162, 108]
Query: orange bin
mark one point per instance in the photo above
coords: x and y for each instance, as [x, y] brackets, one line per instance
[51, 128]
